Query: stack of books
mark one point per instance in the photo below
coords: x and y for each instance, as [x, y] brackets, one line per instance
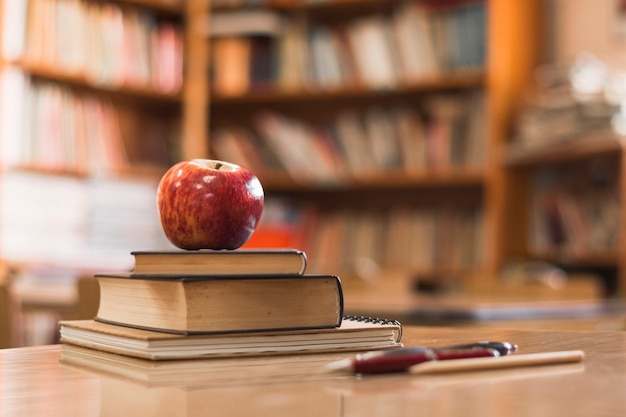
[189, 304]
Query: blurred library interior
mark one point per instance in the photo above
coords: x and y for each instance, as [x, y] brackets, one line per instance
[435, 154]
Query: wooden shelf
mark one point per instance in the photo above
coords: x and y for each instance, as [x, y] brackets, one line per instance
[80, 80]
[452, 178]
[605, 259]
[425, 180]
[442, 82]
[568, 163]
[571, 150]
[334, 6]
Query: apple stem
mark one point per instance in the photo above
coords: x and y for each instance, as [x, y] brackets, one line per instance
[218, 165]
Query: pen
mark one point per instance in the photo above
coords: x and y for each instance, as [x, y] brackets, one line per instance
[400, 360]
[529, 359]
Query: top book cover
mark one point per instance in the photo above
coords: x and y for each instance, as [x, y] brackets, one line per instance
[241, 262]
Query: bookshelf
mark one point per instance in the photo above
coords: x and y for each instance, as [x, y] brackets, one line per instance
[479, 189]
[121, 55]
[111, 94]
[305, 104]
[564, 164]
[573, 216]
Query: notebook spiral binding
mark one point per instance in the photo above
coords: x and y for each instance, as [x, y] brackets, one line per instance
[376, 320]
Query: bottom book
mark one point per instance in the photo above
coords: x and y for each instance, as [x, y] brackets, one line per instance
[206, 372]
[354, 334]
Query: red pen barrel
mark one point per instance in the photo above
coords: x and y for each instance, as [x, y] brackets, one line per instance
[390, 361]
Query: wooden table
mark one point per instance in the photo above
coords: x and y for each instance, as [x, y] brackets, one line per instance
[38, 382]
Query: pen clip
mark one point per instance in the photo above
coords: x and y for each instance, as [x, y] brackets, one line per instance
[503, 348]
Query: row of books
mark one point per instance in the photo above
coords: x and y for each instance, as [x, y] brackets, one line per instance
[57, 129]
[562, 106]
[574, 218]
[200, 304]
[377, 51]
[101, 41]
[75, 223]
[446, 133]
[361, 242]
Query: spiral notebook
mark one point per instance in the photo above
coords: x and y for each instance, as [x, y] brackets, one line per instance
[354, 334]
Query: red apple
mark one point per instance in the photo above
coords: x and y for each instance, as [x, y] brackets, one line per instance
[209, 204]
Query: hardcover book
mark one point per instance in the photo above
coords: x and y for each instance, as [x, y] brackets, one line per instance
[271, 262]
[203, 304]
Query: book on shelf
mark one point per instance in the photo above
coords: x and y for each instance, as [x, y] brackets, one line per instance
[242, 44]
[354, 334]
[167, 58]
[230, 56]
[374, 52]
[13, 28]
[302, 151]
[249, 22]
[328, 68]
[257, 262]
[262, 67]
[206, 304]
[294, 66]
[414, 37]
[244, 147]
[241, 64]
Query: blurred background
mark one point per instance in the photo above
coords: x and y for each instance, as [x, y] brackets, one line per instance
[427, 151]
